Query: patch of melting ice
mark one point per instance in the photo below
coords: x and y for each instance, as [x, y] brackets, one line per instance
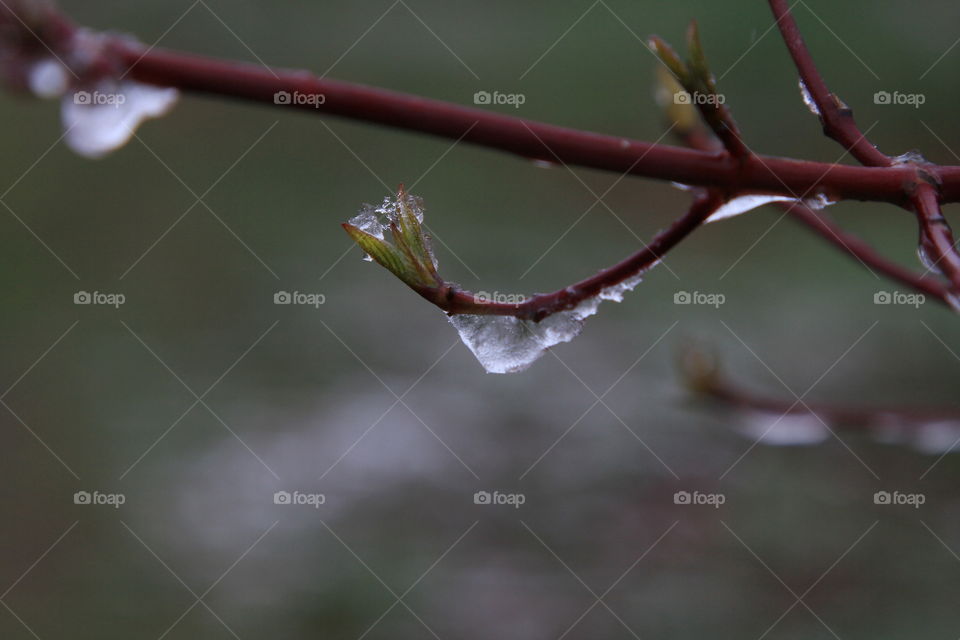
[819, 201]
[100, 121]
[792, 429]
[743, 204]
[369, 222]
[505, 344]
[926, 260]
[502, 344]
[376, 219]
[808, 99]
[48, 78]
[954, 301]
[102, 117]
[910, 157]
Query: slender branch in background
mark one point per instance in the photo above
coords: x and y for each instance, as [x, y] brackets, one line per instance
[702, 374]
[863, 252]
[835, 115]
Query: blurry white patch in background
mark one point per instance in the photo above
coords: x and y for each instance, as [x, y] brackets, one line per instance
[48, 78]
[937, 437]
[226, 487]
[792, 429]
[225, 497]
[101, 118]
[931, 438]
[104, 119]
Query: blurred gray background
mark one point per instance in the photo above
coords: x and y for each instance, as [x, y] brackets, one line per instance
[306, 399]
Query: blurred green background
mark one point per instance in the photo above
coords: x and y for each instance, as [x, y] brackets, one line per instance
[306, 399]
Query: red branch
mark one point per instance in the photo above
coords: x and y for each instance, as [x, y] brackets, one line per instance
[864, 253]
[700, 138]
[936, 239]
[526, 138]
[703, 375]
[835, 115]
[453, 300]
[909, 185]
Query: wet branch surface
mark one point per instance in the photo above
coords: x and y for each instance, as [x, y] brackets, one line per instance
[719, 172]
[453, 300]
[835, 115]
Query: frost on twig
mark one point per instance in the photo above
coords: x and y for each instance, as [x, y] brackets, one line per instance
[503, 336]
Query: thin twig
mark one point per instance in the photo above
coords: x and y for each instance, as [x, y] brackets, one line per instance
[526, 138]
[725, 174]
[835, 115]
[936, 238]
[703, 375]
[456, 301]
[865, 254]
[699, 138]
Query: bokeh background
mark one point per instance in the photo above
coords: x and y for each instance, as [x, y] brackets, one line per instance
[298, 398]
